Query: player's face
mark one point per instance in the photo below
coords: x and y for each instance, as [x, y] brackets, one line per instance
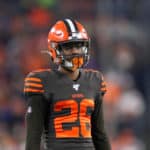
[74, 53]
[73, 48]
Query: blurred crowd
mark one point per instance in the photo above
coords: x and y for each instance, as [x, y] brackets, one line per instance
[119, 31]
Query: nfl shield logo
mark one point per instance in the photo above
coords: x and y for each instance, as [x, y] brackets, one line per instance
[76, 86]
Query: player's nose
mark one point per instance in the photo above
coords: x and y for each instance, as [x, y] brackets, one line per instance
[75, 50]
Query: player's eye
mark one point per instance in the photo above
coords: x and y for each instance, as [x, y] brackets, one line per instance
[71, 45]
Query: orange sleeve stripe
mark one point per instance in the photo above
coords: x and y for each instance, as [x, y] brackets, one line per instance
[33, 79]
[41, 70]
[34, 84]
[33, 90]
[92, 70]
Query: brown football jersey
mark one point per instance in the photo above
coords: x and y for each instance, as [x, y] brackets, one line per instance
[69, 110]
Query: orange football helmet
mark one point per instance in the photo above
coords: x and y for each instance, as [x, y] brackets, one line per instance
[68, 33]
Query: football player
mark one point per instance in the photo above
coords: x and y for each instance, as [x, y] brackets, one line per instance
[65, 104]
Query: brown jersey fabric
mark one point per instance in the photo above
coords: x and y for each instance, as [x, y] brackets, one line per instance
[66, 114]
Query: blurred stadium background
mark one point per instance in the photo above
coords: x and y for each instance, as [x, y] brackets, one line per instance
[119, 31]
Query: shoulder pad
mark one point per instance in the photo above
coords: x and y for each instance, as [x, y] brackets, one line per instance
[100, 79]
[33, 83]
[91, 70]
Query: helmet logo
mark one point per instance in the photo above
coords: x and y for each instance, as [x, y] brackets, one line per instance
[76, 87]
[59, 33]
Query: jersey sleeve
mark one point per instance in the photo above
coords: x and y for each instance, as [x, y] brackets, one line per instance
[36, 110]
[99, 136]
[33, 85]
[98, 131]
[36, 115]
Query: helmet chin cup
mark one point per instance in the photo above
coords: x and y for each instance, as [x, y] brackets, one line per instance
[74, 64]
[68, 64]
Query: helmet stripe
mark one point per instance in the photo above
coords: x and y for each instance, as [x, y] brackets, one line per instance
[68, 27]
[71, 26]
[75, 24]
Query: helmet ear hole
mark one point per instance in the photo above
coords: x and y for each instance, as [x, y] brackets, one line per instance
[53, 45]
[59, 48]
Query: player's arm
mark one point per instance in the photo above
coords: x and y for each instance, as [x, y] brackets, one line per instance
[36, 112]
[99, 136]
